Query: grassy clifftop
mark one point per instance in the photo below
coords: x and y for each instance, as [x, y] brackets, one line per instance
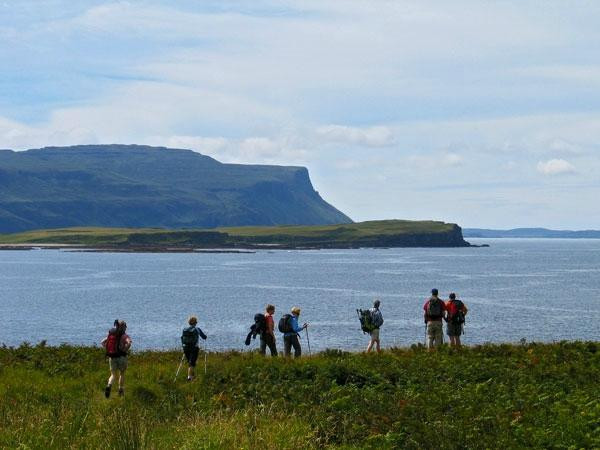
[493, 396]
[385, 233]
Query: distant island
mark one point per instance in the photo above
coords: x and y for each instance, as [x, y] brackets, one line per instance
[530, 233]
[136, 186]
[386, 233]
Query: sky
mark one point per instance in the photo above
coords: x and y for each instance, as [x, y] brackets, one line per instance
[481, 113]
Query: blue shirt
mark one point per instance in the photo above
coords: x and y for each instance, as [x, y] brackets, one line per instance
[294, 322]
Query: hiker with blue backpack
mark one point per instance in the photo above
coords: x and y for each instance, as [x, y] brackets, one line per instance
[290, 328]
[434, 313]
[455, 319]
[189, 340]
[376, 319]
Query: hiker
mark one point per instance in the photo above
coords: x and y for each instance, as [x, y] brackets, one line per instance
[455, 319]
[377, 321]
[189, 341]
[434, 309]
[288, 325]
[267, 337]
[117, 344]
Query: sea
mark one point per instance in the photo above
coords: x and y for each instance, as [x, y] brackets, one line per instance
[516, 290]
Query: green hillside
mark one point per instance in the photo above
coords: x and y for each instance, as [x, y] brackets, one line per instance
[387, 233]
[492, 396]
[139, 186]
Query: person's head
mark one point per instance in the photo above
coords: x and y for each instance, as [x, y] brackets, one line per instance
[192, 321]
[452, 296]
[296, 311]
[434, 292]
[376, 304]
[270, 309]
[121, 325]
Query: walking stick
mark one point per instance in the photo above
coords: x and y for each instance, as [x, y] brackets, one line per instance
[179, 368]
[308, 341]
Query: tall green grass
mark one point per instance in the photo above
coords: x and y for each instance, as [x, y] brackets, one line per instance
[492, 396]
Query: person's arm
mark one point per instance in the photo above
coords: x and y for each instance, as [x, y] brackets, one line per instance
[103, 342]
[200, 333]
[126, 342]
[425, 312]
[296, 326]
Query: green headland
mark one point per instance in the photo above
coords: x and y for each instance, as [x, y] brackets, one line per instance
[492, 396]
[385, 233]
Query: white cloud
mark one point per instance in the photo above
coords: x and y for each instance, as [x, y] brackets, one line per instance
[555, 167]
[378, 136]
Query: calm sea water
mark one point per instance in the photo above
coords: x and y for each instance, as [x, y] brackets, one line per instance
[540, 290]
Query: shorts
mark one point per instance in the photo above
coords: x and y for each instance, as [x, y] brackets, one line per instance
[191, 355]
[375, 334]
[118, 363]
[454, 329]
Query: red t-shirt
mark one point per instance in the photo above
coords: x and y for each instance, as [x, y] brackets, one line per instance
[270, 322]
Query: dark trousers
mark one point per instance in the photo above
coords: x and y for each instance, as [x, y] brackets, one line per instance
[289, 342]
[268, 340]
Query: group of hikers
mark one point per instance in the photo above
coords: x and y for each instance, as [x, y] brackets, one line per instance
[435, 311]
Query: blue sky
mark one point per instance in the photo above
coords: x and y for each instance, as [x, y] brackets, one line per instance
[482, 113]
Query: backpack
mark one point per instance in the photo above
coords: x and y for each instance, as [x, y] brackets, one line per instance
[189, 337]
[366, 320]
[435, 309]
[113, 341]
[458, 317]
[258, 327]
[285, 324]
[260, 324]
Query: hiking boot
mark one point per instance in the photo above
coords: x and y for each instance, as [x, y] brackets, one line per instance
[189, 378]
[107, 390]
[121, 392]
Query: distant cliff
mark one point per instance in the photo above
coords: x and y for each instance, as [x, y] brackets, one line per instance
[140, 186]
[383, 233]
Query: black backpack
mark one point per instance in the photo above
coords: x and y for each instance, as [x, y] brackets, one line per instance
[260, 324]
[435, 309]
[457, 318]
[189, 337]
[366, 320]
[285, 324]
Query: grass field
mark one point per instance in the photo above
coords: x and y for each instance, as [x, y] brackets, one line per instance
[347, 234]
[493, 396]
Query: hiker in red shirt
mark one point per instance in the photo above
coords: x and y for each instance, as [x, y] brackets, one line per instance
[434, 312]
[455, 318]
[267, 337]
[117, 344]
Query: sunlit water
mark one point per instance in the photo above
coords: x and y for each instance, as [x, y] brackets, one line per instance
[540, 290]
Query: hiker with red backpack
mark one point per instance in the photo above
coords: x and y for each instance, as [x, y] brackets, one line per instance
[117, 344]
[267, 336]
[189, 340]
[455, 319]
[434, 312]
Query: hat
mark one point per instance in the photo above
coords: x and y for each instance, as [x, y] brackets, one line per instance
[296, 310]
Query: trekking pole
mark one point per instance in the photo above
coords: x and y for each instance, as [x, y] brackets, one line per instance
[179, 368]
[308, 341]
[205, 358]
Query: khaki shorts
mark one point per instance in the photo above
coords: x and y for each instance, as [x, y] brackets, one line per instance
[118, 363]
[375, 334]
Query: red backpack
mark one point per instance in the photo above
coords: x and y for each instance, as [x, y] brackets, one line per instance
[112, 343]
